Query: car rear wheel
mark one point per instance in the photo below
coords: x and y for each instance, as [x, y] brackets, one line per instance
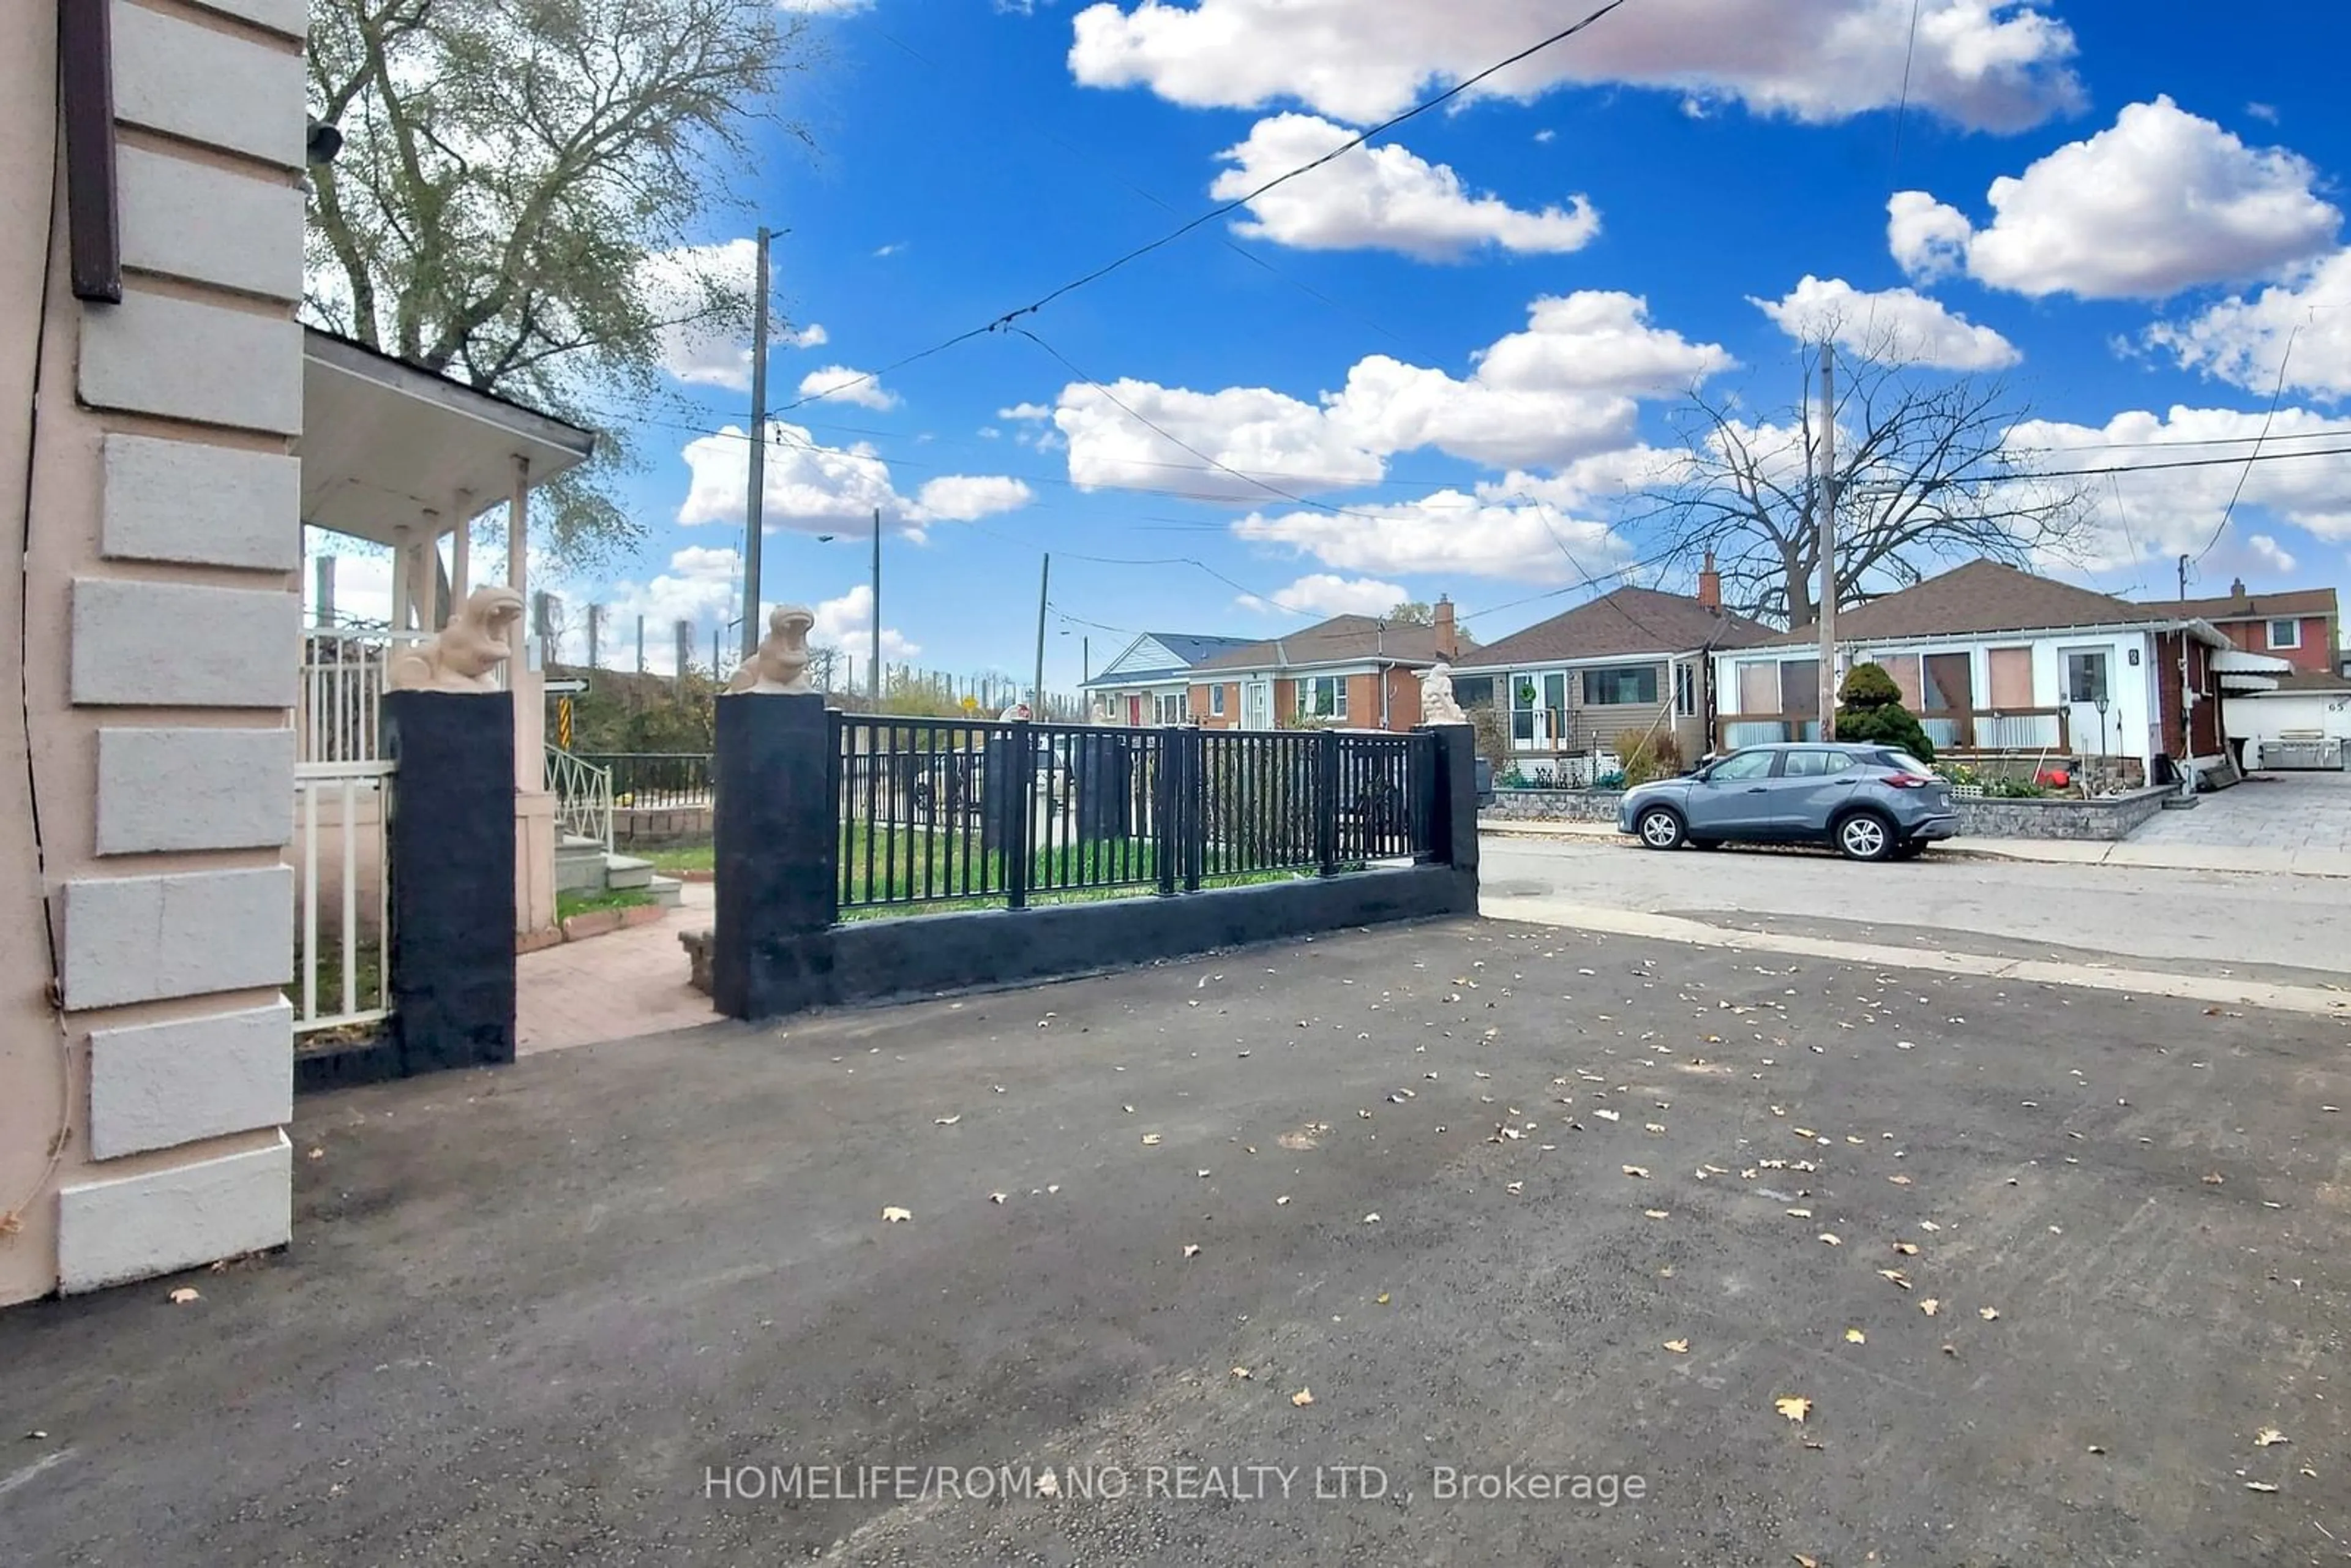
[1866, 836]
[1661, 829]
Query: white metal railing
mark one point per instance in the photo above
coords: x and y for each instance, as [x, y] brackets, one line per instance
[343, 964]
[342, 677]
[583, 797]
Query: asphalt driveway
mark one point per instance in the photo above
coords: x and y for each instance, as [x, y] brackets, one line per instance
[559, 1313]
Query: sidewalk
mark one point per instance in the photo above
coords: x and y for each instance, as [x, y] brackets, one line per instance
[2057, 851]
[616, 986]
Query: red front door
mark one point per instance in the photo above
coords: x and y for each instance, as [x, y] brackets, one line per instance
[1135, 712]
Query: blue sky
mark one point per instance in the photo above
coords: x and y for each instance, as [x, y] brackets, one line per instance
[1471, 338]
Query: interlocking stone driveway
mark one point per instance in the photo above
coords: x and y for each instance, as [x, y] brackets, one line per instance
[2268, 812]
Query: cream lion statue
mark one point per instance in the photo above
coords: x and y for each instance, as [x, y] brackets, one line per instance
[1436, 701]
[465, 655]
[781, 662]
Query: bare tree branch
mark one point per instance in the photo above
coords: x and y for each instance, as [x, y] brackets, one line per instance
[1925, 480]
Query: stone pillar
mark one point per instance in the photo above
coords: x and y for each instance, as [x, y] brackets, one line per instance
[146, 789]
[777, 854]
[449, 842]
[1454, 825]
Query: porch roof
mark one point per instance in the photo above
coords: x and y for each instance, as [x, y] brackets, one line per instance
[384, 442]
[2242, 671]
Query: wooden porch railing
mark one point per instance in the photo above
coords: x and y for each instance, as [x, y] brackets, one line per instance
[1951, 730]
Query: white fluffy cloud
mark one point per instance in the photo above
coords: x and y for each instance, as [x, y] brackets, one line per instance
[1259, 432]
[2163, 200]
[2167, 511]
[841, 383]
[1988, 64]
[1565, 387]
[812, 336]
[966, 498]
[2272, 554]
[816, 490]
[847, 623]
[1380, 198]
[1446, 532]
[1322, 593]
[2242, 340]
[1897, 323]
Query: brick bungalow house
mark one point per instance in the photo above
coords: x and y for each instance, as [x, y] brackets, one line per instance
[1355, 671]
[1150, 682]
[1634, 659]
[1997, 662]
[2301, 626]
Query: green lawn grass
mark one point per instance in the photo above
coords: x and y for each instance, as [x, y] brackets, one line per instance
[569, 902]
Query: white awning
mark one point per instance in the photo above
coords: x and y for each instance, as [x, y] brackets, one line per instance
[384, 442]
[2242, 671]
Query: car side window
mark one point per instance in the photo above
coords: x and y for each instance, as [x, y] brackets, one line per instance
[1806, 765]
[1747, 764]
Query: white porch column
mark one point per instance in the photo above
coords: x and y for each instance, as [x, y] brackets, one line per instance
[400, 578]
[461, 551]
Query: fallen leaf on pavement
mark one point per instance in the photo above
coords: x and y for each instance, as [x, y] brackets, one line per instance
[946, 1120]
[1895, 1276]
[1989, 1314]
[1150, 1140]
[1907, 1248]
[1382, 1297]
[1855, 1336]
[2215, 1180]
[1515, 1188]
[1281, 1200]
[1795, 1406]
[1800, 1214]
[1191, 1249]
[894, 1215]
[1832, 1240]
[1372, 1218]
[1804, 1561]
[184, 1295]
[996, 1197]
[1899, 1180]
[1656, 1213]
[2268, 1437]
[1930, 1306]
[2259, 1486]
[1929, 1226]
[1204, 1176]
[1242, 1373]
[1303, 1396]
[1637, 1172]
[1608, 1116]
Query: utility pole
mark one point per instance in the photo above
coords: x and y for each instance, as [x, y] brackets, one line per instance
[715, 644]
[641, 644]
[325, 569]
[685, 634]
[754, 517]
[873, 662]
[1827, 540]
[1044, 585]
[2187, 696]
[595, 626]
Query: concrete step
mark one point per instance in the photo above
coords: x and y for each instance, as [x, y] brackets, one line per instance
[627, 871]
[575, 873]
[667, 891]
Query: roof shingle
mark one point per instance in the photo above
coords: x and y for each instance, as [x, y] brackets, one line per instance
[1983, 596]
[1629, 622]
[1343, 639]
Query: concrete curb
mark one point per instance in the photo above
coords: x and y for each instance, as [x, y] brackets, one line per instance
[2050, 852]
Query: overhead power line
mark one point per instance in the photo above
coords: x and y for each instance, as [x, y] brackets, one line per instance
[1225, 209]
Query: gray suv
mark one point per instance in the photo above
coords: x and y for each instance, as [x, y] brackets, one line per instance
[1871, 802]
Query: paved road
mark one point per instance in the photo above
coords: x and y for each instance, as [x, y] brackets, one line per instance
[529, 1314]
[2296, 930]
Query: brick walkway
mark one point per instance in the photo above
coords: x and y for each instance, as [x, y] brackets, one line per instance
[612, 988]
[2292, 811]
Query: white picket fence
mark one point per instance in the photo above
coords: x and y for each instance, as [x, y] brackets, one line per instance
[343, 974]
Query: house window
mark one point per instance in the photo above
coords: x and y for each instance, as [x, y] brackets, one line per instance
[1474, 691]
[1322, 696]
[1621, 686]
[1169, 707]
[2085, 677]
[1217, 701]
[1685, 690]
[2285, 634]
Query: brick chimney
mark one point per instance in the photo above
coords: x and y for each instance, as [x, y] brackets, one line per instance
[1709, 585]
[1448, 641]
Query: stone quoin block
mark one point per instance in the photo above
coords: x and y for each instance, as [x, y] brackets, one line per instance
[172, 644]
[157, 1085]
[191, 220]
[204, 85]
[160, 790]
[190, 933]
[184, 359]
[134, 1228]
[291, 17]
[185, 502]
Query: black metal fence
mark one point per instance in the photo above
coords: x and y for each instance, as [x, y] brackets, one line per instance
[646, 781]
[931, 811]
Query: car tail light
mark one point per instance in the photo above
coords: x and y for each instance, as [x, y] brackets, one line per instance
[1910, 780]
